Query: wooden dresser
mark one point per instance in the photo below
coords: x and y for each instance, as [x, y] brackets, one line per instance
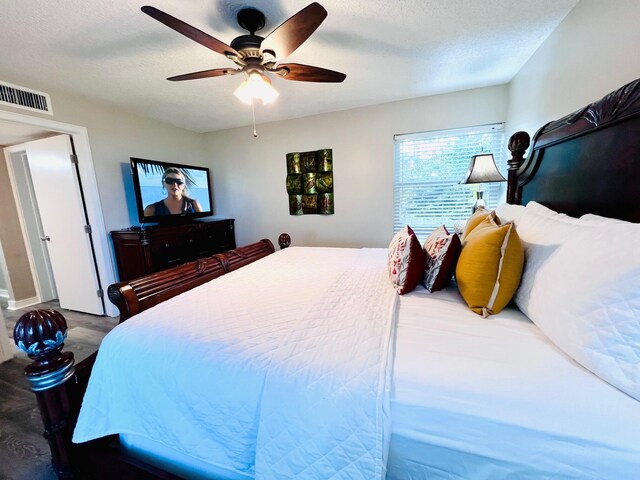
[145, 250]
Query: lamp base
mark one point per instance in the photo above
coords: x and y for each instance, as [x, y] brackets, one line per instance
[479, 203]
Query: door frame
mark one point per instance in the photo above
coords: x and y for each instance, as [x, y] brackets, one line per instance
[80, 136]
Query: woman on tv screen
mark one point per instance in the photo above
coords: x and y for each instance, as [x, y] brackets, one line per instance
[176, 201]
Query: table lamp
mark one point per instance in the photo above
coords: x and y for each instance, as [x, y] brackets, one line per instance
[482, 169]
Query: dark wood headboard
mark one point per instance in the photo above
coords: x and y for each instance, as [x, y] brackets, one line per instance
[586, 162]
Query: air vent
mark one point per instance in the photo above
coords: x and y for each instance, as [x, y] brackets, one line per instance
[25, 98]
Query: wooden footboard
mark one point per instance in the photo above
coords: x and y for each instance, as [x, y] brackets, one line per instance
[134, 296]
[59, 384]
[239, 257]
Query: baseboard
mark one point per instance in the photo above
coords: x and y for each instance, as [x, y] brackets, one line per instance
[27, 302]
[4, 297]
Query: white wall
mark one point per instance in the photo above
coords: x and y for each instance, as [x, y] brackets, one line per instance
[593, 51]
[249, 174]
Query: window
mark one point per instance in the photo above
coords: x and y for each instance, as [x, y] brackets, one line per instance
[427, 173]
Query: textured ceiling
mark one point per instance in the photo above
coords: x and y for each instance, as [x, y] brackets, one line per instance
[390, 50]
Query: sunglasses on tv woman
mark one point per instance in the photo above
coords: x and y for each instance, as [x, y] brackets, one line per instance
[173, 181]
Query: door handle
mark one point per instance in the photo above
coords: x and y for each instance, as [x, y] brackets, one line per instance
[46, 238]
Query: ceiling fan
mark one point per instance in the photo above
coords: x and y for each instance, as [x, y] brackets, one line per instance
[255, 55]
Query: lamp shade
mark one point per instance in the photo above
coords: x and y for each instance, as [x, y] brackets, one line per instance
[482, 169]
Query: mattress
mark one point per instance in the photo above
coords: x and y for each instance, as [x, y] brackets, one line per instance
[493, 398]
[477, 398]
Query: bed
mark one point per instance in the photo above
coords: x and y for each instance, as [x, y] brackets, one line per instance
[437, 392]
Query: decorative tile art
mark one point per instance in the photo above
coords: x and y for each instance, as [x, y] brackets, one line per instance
[310, 182]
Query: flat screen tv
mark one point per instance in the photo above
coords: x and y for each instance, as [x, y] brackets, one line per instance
[170, 192]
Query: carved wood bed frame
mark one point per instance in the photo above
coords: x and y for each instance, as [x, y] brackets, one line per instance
[586, 162]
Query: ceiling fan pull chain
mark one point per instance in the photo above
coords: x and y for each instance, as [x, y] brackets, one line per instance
[253, 111]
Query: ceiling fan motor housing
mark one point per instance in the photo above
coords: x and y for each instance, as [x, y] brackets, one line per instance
[248, 45]
[251, 19]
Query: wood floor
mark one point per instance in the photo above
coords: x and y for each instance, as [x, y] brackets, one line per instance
[24, 453]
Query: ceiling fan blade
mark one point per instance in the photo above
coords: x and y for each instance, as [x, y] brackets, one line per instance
[307, 73]
[189, 31]
[216, 72]
[293, 32]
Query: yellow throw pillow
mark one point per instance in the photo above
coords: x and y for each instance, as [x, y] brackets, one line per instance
[474, 220]
[490, 266]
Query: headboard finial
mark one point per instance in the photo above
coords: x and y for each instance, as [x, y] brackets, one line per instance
[518, 144]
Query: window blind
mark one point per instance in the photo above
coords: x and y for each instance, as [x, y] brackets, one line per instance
[428, 169]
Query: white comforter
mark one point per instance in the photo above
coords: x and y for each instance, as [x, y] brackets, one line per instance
[276, 370]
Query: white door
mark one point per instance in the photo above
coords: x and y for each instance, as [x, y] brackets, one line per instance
[62, 213]
[33, 226]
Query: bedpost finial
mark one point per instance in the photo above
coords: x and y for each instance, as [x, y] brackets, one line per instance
[518, 144]
[284, 240]
[41, 334]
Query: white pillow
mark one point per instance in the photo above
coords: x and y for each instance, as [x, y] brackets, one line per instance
[546, 211]
[581, 287]
[587, 217]
[509, 213]
[590, 217]
[541, 234]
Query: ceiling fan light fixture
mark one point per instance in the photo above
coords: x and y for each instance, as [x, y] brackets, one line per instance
[256, 87]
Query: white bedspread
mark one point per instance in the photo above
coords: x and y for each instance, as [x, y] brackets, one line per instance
[275, 371]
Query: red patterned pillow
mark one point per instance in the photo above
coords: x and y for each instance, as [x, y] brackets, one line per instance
[405, 261]
[441, 250]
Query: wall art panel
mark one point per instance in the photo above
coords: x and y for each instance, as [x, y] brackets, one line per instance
[310, 182]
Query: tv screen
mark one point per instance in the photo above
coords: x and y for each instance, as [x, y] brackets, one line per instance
[167, 192]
